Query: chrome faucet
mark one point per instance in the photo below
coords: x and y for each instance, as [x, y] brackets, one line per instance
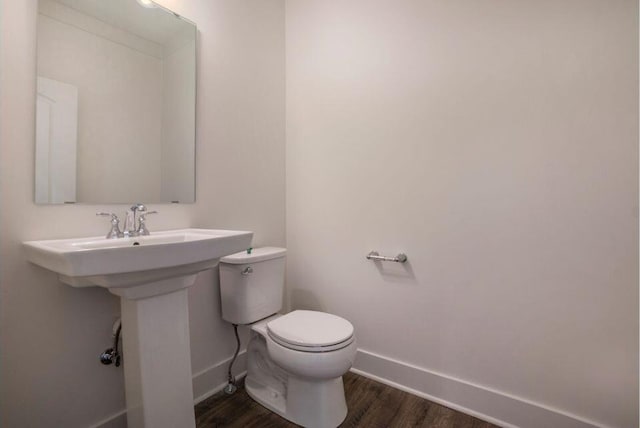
[142, 227]
[134, 222]
[130, 224]
[115, 231]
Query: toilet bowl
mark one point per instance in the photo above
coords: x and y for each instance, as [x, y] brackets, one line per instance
[303, 386]
[295, 361]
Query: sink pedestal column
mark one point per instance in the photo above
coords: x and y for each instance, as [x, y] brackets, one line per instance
[157, 354]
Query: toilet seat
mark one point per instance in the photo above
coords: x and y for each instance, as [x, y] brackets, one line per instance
[311, 331]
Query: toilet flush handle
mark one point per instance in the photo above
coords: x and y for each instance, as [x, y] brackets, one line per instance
[247, 270]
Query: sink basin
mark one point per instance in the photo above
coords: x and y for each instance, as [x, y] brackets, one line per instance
[151, 275]
[128, 262]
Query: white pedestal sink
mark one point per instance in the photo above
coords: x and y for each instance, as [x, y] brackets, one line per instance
[151, 275]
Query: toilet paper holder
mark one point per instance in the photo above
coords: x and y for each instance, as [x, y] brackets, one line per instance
[375, 256]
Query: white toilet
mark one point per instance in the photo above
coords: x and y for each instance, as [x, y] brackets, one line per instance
[295, 361]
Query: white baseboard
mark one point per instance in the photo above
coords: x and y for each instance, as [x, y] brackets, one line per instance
[493, 406]
[206, 383]
[213, 379]
[117, 420]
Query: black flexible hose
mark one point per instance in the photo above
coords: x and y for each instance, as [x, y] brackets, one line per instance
[117, 338]
[231, 378]
[115, 345]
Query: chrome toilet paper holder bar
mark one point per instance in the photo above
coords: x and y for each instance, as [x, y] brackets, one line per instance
[374, 255]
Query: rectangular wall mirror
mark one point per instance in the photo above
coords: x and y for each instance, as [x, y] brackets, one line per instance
[115, 107]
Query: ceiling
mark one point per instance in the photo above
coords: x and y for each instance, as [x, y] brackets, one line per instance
[155, 24]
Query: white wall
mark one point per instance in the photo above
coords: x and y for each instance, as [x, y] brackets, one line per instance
[51, 334]
[496, 143]
[111, 141]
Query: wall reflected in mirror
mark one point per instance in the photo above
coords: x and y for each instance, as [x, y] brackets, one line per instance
[115, 108]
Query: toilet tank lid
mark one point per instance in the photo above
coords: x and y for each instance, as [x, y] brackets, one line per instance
[257, 255]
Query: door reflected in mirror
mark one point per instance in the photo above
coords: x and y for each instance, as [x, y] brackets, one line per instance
[115, 107]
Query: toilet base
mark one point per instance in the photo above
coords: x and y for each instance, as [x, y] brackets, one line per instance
[311, 403]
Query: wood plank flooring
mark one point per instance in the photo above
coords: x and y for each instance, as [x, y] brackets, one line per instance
[371, 405]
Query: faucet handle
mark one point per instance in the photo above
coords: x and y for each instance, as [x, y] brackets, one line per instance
[142, 228]
[104, 214]
[115, 231]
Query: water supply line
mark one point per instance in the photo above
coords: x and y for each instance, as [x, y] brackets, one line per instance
[231, 379]
[112, 355]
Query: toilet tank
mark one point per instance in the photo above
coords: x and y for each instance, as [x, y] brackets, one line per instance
[252, 284]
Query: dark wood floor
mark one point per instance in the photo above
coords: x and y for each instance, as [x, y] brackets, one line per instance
[371, 405]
